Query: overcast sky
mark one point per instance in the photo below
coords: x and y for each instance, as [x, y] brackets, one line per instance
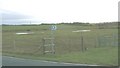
[65, 10]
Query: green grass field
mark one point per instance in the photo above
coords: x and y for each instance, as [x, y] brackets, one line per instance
[101, 44]
[107, 56]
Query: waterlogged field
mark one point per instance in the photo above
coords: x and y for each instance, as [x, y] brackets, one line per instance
[100, 45]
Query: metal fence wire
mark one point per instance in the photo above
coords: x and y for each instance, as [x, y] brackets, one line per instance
[61, 46]
[108, 41]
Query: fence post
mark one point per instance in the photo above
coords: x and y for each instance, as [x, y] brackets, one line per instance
[14, 45]
[95, 42]
[99, 44]
[82, 43]
[43, 45]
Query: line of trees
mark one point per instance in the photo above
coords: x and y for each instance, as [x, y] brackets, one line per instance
[102, 25]
[107, 25]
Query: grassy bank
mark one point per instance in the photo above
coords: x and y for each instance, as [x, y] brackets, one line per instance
[99, 56]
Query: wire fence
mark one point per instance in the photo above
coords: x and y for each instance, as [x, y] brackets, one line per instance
[61, 46]
[108, 41]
